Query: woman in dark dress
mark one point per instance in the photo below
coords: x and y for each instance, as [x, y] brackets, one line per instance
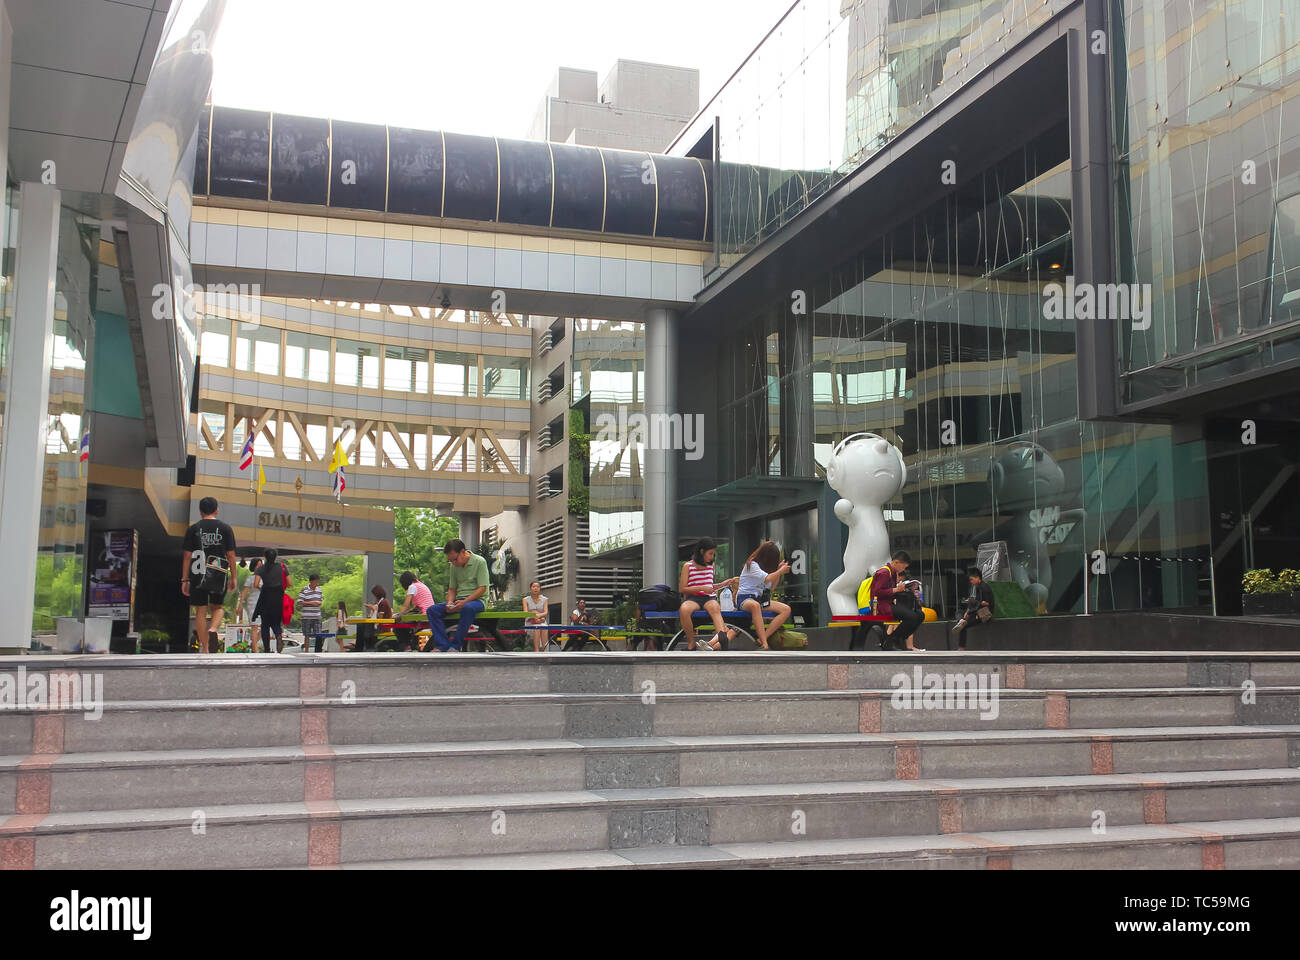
[270, 605]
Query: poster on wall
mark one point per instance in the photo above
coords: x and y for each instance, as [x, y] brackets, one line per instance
[112, 574]
[994, 561]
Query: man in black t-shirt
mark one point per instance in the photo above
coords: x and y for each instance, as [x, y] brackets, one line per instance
[208, 571]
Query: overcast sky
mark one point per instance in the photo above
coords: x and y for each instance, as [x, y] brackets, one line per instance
[468, 66]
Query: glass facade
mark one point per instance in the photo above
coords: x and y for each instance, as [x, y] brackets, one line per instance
[833, 84]
[86, 266]
[307, 356]
[609, 388]
[1208, 189]
[935, 337]
[257, 349]
[455, 374]
[505, 378]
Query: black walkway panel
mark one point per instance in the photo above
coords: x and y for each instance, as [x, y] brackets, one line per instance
[358, 166]
[300, 148]
[239, 152]
[525, 182]
[340, 165]
[579, 188]
[630, 192]
[416, 168]
[471, 178]
[683, 198]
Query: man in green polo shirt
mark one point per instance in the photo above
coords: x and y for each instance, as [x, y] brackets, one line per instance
[467, 584]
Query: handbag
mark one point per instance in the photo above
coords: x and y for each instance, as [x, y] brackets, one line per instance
[214, 578]
[288, 608]
[984, 614]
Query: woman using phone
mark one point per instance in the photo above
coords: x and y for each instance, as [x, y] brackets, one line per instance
[763, 571]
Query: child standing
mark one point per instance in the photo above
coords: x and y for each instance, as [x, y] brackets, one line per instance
[309, 609]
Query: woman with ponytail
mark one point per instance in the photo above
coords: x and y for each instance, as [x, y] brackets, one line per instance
[762, 571]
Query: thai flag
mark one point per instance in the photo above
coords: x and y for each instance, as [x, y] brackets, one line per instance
[246, 458]
[340, 484]
[85, 448]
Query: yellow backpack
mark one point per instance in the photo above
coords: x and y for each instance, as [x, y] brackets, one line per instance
[864, 595]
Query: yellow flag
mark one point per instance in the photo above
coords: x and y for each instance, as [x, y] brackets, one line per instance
[261, 478]
[340, 458]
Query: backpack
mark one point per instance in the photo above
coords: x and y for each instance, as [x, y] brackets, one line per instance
[659, 598]
[788, 639]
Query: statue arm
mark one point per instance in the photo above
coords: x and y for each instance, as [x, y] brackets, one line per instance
[844, 510]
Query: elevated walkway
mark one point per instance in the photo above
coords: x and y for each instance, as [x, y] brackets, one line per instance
[318, 208]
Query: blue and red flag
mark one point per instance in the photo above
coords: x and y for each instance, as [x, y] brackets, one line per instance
[246, 458]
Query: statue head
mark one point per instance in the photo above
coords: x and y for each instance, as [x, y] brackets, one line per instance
[867, 470]
[1025, 471]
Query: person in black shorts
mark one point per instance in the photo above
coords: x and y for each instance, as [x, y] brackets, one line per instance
[207, 567]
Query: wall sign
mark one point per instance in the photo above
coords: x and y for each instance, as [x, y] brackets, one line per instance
[305, 522]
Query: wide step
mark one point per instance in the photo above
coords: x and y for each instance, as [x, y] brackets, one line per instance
[1211, 844]
[285, 834]
[656, 760]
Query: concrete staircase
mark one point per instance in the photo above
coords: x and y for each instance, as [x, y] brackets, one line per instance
[656, 760]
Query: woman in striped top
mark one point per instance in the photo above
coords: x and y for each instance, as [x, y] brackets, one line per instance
[699, 591]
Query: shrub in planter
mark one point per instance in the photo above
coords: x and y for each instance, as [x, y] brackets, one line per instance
[1266, 594]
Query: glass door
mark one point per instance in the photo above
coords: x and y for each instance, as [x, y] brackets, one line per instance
[1255, 504]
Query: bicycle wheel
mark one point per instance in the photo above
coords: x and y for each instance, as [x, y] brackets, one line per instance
[584, 643]
[678, 641]
[742, 639]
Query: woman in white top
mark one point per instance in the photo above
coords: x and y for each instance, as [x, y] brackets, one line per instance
[248, 600]
[763, 570]
[536, 606]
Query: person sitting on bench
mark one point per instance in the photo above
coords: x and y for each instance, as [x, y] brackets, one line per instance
[887, 594]
[467, 584]
[698, 591]
[381, 609]
[979, 606]
[421, 598]
[763, 570]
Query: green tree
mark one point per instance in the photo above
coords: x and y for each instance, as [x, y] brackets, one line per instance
[349, 590]
[58, 590]
[341, 579]
[579, 459]
[418, 538]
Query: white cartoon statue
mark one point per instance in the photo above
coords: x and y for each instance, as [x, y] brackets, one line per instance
[868, 472]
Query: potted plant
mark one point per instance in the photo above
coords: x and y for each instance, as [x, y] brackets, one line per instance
[1265, 594]
[1291, 580]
